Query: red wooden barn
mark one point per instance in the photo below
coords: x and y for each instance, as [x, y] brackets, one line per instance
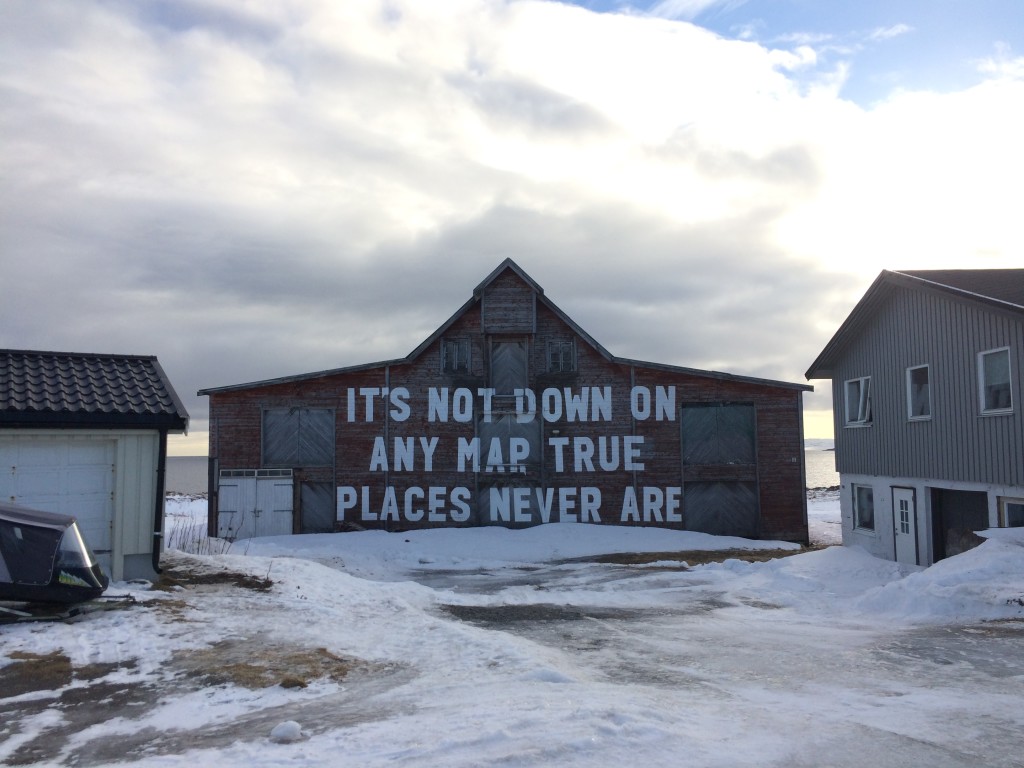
[509, 414]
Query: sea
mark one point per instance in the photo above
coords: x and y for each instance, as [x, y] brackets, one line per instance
[820, 463]
[187, 474]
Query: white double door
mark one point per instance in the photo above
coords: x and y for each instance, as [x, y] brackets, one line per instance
[254, 506]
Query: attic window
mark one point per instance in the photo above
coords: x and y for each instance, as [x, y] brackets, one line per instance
[858, 402]
[994, 381]
[561, 356]
[455, 356]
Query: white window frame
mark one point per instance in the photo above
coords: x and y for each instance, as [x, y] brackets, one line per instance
[858, 524]
[1005, 502]
[982, 384]
[861, 415]
[911, 416]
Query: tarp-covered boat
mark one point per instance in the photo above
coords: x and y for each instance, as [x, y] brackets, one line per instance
[44, 559]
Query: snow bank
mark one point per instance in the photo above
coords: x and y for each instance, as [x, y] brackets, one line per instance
[377, 554]
[982, 584]
[986, 582]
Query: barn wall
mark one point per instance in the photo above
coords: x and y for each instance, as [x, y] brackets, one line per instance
[511, 313]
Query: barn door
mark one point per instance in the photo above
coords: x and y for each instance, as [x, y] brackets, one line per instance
[498, 434]
[236, 498]
[718, 434]
[509, 372]
[298, 437]
[317, 507]
[254, 503]
[508, 365]
[721, 508]
[720, 468]
[273, 506]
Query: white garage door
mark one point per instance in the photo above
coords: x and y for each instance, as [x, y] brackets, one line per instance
[73, 477]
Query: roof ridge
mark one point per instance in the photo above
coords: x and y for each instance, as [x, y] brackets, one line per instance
[934, 279]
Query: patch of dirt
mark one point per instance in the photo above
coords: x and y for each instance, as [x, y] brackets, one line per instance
[32, 672]
[688, 557]
[80, 693]
[254, 665]
[95, 693]
[182, 576]
[540, 612]
[87, 695]
[761, 604]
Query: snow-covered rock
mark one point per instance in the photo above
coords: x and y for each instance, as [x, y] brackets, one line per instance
[286, 733]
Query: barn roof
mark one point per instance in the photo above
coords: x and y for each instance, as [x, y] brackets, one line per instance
[998, 289]
[69, 389]
[478, 292]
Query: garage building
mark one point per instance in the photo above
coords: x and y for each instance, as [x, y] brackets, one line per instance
[508, 414]
[86, 435]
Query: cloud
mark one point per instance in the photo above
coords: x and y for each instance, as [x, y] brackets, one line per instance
[1002, 64]
[688, 9]
[887, 33]
[289, 187]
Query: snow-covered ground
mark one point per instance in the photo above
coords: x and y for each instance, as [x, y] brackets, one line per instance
[496, 647]
[823, 523]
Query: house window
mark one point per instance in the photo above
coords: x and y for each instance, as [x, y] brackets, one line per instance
[455, 356]
[864, 507]
[1011, 512]
[994, 381]
[919, 393]
[561, 356]
[858, 401]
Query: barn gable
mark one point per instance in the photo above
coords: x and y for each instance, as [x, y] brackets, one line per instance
[508, 301]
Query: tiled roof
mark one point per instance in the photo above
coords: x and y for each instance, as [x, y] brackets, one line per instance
[71, 389]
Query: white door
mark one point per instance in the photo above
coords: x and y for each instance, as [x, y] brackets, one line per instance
[72, 477]
[905, 525]
[253, 506]
[273, 506]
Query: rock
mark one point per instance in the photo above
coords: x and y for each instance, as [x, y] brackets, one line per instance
[287, 732]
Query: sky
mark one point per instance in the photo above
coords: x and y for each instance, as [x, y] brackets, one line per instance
[263, 189]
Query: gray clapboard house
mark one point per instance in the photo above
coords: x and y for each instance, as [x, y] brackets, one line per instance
[929, 411]
[86, 435]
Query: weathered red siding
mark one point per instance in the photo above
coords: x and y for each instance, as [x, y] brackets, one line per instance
[511, 306]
